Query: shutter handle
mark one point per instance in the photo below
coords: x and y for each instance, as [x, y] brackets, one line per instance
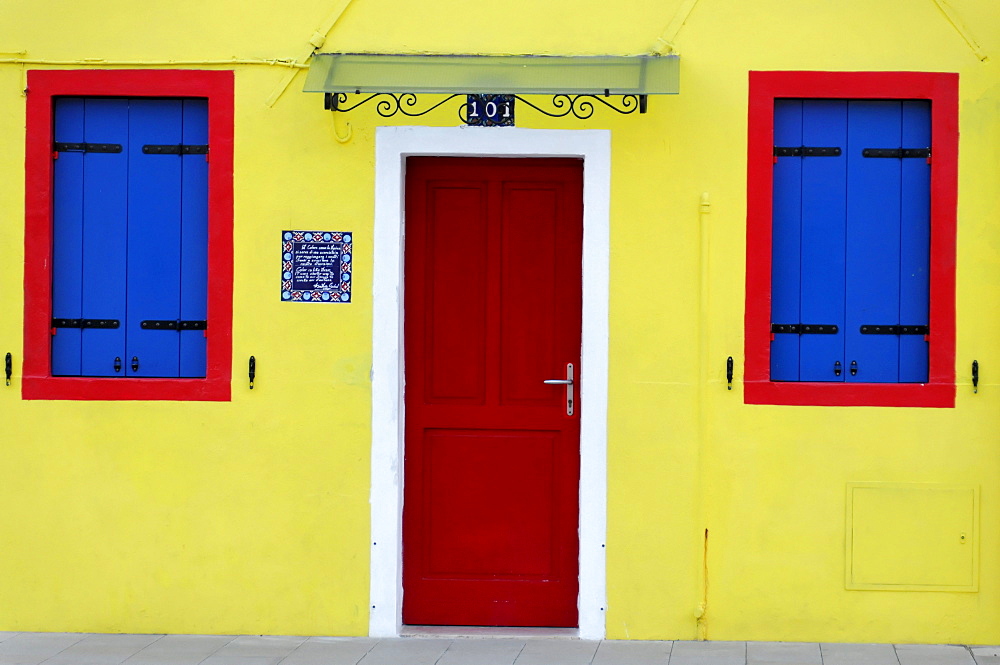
[854, 368]
[135, 363]
[118, 364]
[253, 370]
[8, 367]
[836, 368]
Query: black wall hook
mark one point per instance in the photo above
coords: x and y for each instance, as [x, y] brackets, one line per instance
[729, 373]
[8, 367]
[253, 370]
[975, 374]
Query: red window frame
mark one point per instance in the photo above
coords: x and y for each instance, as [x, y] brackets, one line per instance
[942, 91]
[44, 85]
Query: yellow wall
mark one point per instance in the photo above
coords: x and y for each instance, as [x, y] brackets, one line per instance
[253, 516]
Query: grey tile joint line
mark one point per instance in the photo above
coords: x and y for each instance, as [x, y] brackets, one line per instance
[519, 652]
[146, 647]
[365, 655]
[438, 660]
[82, 638]
[218, 650]
[289, 654]
[594, 655]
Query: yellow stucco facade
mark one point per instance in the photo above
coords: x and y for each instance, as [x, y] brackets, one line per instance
[725, 520]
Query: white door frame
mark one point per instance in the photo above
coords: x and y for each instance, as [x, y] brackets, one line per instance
[392, 146]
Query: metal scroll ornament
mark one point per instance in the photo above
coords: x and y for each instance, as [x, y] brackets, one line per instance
[387, 104]
[582, 107]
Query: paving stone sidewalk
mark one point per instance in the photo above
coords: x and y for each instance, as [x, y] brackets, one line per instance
[89, 649]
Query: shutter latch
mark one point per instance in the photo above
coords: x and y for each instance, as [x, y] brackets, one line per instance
[894, 330]
[173, 325]
[175, 149]
[85, 323]
[805, 328]
[806, 151]
[87, 147]
[898, 153]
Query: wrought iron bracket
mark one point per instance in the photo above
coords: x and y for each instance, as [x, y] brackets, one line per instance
[387, 104]
[582, 107]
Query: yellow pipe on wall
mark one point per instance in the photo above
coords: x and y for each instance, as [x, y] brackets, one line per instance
[952, 16]
[704, 209]
[315, 43]
[665, 42]
[274, 62]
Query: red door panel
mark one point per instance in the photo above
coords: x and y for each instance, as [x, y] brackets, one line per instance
[455, 273]
[467, 470]
[492, 309]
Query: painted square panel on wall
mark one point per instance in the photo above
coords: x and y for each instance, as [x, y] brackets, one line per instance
[912, 537]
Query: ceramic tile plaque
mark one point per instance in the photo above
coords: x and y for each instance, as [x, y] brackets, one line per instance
[489, 110]
[315, 266]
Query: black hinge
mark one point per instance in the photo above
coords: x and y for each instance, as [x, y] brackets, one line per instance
[174, 325]
[899, 153]
[87, 147]
[175, 149]
[805, 328]
[895, 330]
[85, 323]
[805, 151]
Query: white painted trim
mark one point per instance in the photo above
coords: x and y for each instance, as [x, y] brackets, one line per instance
[392, 146]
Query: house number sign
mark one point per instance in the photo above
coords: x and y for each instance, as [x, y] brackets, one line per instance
[315, 266]
[490, 110]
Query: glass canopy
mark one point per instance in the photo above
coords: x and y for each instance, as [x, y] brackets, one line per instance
[500, 74]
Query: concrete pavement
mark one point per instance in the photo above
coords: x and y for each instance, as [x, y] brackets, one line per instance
[99, 649]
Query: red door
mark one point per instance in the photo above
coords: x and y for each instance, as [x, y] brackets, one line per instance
[492, 464]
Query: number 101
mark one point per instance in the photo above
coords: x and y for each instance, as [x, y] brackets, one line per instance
[490, 110]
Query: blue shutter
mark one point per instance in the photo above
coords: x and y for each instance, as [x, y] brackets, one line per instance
[809, 218]
[194, 239]
[824, 179]
[154, 238]
[67, 237]
[168, 238]
[105, 202]
[786, 275]
[89, 236]
[130, 237]
[873, 240]
[914, 273]
[851, 240]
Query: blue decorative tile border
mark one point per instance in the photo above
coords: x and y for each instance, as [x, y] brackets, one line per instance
[315, 266]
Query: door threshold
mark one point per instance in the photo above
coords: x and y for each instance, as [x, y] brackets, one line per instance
[489, 632]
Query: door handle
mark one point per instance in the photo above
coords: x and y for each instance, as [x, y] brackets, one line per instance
[568, 382]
